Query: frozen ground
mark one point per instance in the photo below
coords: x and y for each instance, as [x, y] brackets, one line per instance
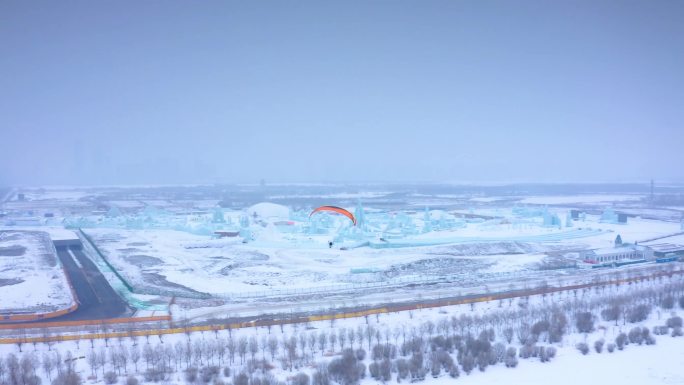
[31, 278]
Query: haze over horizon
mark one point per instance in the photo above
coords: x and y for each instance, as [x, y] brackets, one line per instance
[385, 91]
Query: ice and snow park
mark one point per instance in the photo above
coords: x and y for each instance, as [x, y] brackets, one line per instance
[385, 260]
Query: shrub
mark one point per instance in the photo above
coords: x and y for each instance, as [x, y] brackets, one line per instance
[610, 347]
[454, 372]
[207, 373]
[674, 322]
[499, 350]
[667, 302]
[154, 375]
[320, 377]
[677, 332]
[584, 322]
[241, 379]
[191, 374]
[542, 354]
[583, 348]
[402, 368]
[660, 330]
[598, 345]
[131, 380]
[557, 326]
[68, 377]
[468, 363]
[482, 361]
[511, 361]
[435, 369]
[546, 353]
[635, 336]
[611, 313]
[550, 352]
[621, 341]
[110, 378]
[300, 379]
[345, 370]
[527, 351]
[540, 327]
[638, 313]
[374, 370]
[681, 302]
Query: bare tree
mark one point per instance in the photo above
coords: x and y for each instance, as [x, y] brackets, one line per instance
[369, 332]
[253, 347]
[333, 340]
[352, 337]
[134, 354]
[342, 337]
[272, 347]
[242, 348]
[231, 348]
[102, 359]
[312, 342]
[48, 366]
[124, 357]
[322, 341]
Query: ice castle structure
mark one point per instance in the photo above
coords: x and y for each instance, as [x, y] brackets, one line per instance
[360, 216]
[427, 221]
[568, 220]
[609, 216]
[551, 220]
[113, 212]
[217, 216]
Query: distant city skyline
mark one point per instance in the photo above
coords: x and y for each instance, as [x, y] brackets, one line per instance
[385, 91]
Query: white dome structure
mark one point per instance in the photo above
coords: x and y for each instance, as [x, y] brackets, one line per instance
[266, 210]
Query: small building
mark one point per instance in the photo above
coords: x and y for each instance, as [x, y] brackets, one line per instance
[624, 252]
[226, 234]
[23, 221]
[666, 249]
[622, 218]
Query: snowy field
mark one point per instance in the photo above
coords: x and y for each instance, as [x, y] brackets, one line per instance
[583, 199]
[278, 354]
[31, 277]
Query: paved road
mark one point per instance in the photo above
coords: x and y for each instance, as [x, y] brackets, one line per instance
[97, 299]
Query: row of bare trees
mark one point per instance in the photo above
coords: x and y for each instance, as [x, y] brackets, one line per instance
[446, 345]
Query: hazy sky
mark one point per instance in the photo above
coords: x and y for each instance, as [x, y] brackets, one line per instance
[202, 91]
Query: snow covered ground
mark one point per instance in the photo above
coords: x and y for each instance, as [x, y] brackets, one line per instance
[31, 277]
[585, 198]
[636, 364]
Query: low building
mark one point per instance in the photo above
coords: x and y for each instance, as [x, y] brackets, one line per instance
[667, 249]
[624, 252]
[226, 234]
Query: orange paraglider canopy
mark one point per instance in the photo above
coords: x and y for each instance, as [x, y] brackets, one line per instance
[335, 209]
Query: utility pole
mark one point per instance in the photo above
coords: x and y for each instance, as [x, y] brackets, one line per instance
[652, 195]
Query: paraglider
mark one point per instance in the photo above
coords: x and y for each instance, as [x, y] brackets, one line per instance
[335, 209]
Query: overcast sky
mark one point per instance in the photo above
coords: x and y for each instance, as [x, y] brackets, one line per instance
[105, 92]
